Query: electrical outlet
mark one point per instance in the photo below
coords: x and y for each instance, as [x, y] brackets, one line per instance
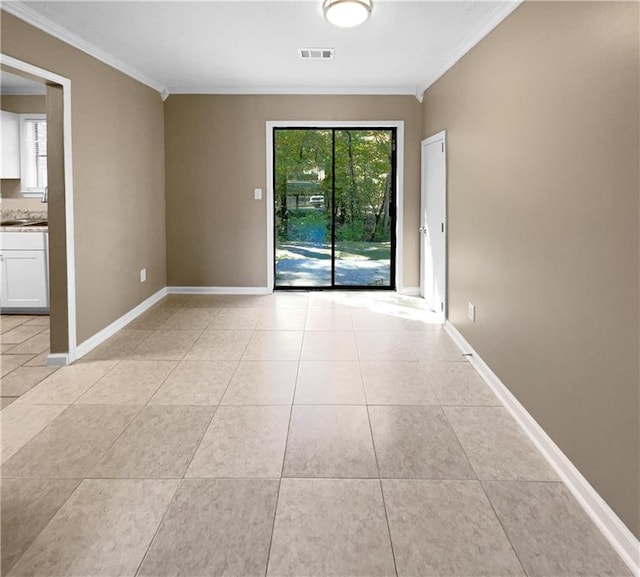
[471, 312]
[257, 193]
[143, 275]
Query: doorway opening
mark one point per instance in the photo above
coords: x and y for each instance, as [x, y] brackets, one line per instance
[45, 178]
[335, 206]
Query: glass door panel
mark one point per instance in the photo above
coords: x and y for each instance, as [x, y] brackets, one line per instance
[302, 196]
[364, 216]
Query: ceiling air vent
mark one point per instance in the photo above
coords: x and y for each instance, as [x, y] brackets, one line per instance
[316, 53]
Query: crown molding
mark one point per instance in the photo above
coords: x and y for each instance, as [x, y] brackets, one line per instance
[498, 15]
[302, 90]
[20, 10]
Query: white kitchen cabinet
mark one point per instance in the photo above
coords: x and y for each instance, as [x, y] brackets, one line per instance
[24, 271]
[10, 142]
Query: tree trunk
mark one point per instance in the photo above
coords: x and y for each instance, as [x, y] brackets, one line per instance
[385, 220]
[384, 209]
[352, 174]
[282, 209]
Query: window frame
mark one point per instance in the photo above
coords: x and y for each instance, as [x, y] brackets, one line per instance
[27, 157]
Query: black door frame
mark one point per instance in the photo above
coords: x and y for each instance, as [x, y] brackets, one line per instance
[392, 208]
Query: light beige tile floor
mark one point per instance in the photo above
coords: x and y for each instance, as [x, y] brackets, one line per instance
[295, 434]
[24, 342]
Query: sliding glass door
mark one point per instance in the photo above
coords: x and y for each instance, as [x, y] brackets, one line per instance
[334, 207]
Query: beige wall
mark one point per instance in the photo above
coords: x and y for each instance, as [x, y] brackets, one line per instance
[216, 156]
[543, 150]
[118, 171]
[23, 104]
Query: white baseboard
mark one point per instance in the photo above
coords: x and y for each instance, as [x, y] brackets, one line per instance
[218, 290]
[410, 291]
[58, 360]
[101, 336]
[611, 526]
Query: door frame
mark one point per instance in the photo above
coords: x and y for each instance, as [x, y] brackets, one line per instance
[438, 137]
[397, 124]
[71, 354]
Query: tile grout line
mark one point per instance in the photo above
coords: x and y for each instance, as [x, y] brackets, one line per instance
[175, 313]
[181, 481]
[54, 370]
[111, 445]
[504, 530]
[75, 404]
[24, 324]
[206, 429]
[375, 454]
[35, 538]
[118, 362]
[384, 502]
[21, 365]
[324, 478]
[126, 427]
[115, 362]
[18, 325]
[162, 382]
[3, 461]
[155, 392]
[286, 444]
[155, 533]
[460, 445]
[479, 481]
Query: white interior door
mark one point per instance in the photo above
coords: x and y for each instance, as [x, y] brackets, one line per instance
[433, 223]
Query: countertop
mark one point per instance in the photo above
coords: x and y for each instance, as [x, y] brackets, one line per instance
[24, 229]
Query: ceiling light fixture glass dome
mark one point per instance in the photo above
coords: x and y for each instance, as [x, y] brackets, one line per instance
[347, 13]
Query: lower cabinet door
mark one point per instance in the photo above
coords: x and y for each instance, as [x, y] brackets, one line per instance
[24, 279]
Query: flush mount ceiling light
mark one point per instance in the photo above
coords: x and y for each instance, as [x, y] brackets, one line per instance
[347, 13]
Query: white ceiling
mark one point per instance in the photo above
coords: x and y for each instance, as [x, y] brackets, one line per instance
[14, 84]
[251, 47]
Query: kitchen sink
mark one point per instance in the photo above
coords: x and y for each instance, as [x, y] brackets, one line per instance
[24, 222]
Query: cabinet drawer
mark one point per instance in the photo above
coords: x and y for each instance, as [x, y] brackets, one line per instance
[22, 240]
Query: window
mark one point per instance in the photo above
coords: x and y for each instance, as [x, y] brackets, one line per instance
[33, 153]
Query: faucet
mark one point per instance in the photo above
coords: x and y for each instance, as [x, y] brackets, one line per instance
[45, 195]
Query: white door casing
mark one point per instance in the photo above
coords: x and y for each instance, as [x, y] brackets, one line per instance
[433, 223]
[71, 355]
